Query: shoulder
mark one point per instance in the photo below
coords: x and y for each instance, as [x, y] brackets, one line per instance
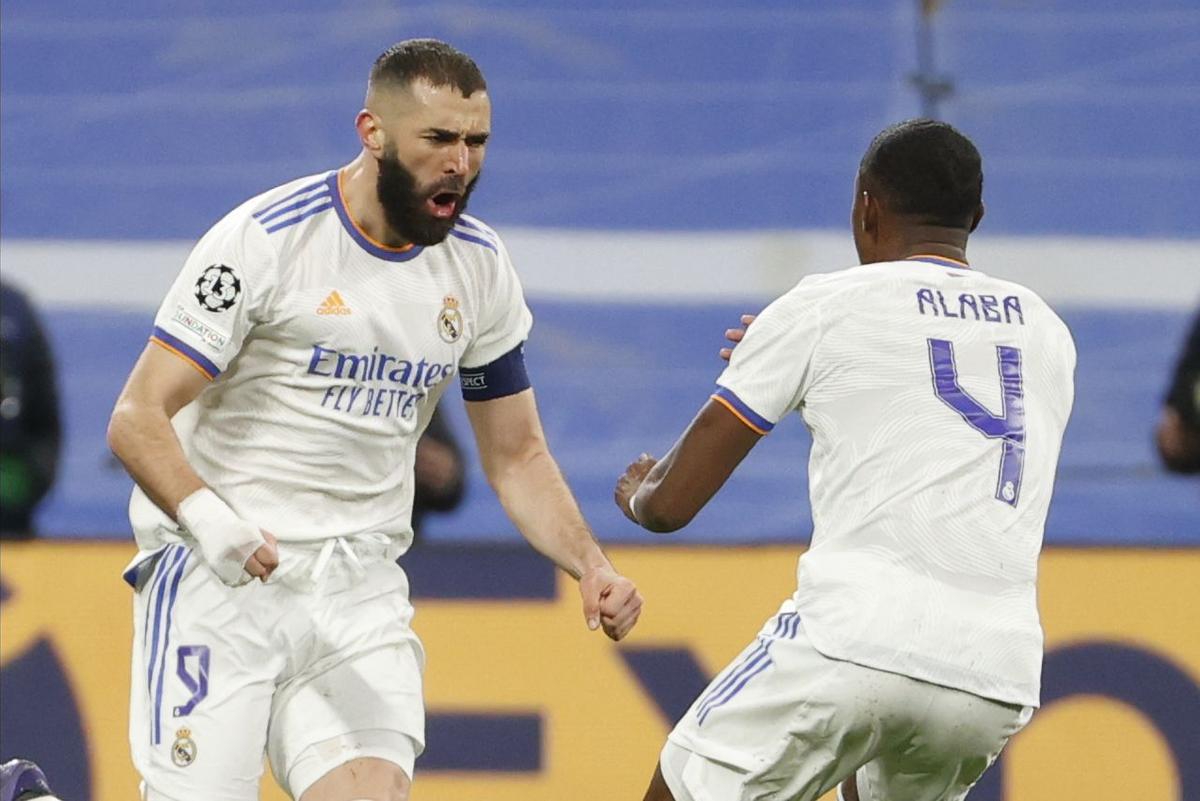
[288, 205]
[1032, 302]
[470, 233]
[257, 222]
[251, 240]
[799, 312]
[265, 225]
[817, 289]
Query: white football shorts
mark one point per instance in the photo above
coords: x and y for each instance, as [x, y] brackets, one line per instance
[312, 673]
[786, 723]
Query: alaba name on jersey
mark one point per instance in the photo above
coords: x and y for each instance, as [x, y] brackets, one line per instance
[937, 398]
[327, 352]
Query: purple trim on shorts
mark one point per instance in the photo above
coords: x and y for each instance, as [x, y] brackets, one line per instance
[787, 624]
[168, 557]
[162, 668]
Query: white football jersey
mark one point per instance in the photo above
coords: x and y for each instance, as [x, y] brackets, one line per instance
[937, 398]
[327, 353]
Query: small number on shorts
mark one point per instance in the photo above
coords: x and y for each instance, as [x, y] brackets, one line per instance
[192, 661]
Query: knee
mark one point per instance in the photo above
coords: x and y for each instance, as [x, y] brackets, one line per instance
[393, 785]
[361, 780]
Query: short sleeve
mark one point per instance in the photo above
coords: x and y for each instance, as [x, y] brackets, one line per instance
[504, 319]
[215, 300]
[770, 369]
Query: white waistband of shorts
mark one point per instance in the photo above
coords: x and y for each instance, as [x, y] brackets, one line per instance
[302, 564]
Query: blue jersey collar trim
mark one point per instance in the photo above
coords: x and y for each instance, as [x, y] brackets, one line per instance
[374, 248]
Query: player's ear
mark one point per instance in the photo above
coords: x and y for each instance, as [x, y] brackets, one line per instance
[370, 132]
[869, 220]
[978, 217]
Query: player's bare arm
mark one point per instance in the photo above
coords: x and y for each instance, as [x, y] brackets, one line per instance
[665, 495]
[141, 436]
[526, 479]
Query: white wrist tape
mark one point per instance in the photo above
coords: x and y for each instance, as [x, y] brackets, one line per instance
[226, 541]
[633, 508]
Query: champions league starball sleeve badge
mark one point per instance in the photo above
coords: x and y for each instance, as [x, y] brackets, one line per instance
[218, 288]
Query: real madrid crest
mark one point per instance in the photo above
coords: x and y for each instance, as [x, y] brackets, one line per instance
[450, 320]
[183, 750]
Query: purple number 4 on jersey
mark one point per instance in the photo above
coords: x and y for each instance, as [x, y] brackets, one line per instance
[1009, 427]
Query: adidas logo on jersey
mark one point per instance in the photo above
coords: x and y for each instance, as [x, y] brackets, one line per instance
[333, 304]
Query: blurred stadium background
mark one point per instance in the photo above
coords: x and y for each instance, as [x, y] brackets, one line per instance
[656, 169]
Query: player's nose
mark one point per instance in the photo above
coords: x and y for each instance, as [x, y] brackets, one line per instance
[458, 160]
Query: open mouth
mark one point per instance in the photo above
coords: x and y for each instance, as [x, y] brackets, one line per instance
[444, 204]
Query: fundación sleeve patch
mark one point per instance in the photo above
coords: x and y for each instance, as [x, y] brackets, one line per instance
[218, 288]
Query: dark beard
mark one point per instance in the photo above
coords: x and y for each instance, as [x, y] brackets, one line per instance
[404, 203]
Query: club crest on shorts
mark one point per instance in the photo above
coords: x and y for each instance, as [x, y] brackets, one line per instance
[218, 288]
[450, 320]
[183, 750]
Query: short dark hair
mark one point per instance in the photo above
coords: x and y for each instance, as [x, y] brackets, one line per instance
[433, 60]
[926, 169]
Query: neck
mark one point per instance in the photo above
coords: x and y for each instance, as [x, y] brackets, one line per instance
[932, 240]
[358, 182]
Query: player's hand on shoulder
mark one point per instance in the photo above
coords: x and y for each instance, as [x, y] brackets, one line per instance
[735, 335]
[629, 483]
[610, 601]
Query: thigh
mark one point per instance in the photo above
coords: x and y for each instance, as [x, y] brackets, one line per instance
[743, 711]
[784, 714]
[693, 777]
[960, 736]
[361, 695]
[201, 685]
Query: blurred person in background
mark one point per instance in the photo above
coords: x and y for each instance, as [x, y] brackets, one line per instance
[937, 397]
[30, 431]
[439, 475]
[1178, 435]
[22, 780]
[313, 330]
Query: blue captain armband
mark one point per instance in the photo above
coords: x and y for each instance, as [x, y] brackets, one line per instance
[498, 379]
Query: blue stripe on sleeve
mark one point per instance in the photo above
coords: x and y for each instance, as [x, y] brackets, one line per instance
[297, 193]
[469, 223]
[187, 351]
[740, 406]
[299, 204]
[290, 221]
[478, 240]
